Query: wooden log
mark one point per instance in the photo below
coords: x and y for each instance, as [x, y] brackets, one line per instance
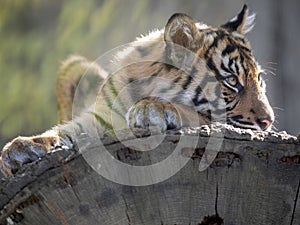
[254, 179]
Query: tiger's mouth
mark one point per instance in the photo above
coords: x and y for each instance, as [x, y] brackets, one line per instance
[236, 122]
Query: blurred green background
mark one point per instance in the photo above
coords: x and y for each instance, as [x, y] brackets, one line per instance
[37, 35]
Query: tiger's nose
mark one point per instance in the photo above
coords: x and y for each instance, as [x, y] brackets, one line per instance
[264, 123]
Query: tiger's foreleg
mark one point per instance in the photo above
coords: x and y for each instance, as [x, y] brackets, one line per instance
[24, 150]
[153, 113]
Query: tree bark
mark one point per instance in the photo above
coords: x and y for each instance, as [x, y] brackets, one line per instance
[254, 179]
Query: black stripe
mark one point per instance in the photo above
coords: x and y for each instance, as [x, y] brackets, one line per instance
[196, 96]
[236, 118]
[241, 39]
[130, 80]
[230, 63]
[228, 109]
[187, 82]
[201, 102]
[227, 70]
[228, 100]
[210, 32]
[243, 66]
[154, 63]
[157, 73]
[198, 90]
[237, 70]
[177, 79]
[215, 43]
[245, 123]
[206, 113]
[148, 80]
[189, 78]
[219, 36]
[229, 49]
[154, 75]
[210, 64]
[245, 49]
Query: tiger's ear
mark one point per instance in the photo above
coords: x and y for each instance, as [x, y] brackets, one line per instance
[181, 30]
[242, 23]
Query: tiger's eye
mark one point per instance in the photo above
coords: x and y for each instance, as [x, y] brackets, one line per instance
[232, 80]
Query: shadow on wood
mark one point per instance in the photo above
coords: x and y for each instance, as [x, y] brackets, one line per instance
[254, 179]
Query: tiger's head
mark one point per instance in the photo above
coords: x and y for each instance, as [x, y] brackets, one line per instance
[228, 56]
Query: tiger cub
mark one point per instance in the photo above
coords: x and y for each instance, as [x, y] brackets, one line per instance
[187, 74]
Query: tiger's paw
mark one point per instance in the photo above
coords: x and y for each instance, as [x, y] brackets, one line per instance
[153, 115]
[23, 150]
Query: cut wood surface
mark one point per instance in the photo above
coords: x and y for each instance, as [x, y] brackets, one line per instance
[254, 179]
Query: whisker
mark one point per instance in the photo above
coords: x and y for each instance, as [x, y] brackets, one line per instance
[270, 65]
[274, 128]
[278, 108]
[271, 72]
[273, 63]
[270, 68]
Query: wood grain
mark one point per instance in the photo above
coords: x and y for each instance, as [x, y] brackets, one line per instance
[254, 179]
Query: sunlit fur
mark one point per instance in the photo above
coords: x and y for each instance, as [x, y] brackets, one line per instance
[222, 52]
[221, 79]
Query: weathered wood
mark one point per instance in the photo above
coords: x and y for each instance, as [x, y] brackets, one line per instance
[254, 180]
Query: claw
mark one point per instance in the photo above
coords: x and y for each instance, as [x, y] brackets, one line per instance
[150, 114]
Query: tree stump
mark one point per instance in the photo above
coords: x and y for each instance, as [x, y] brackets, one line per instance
[254, 179]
